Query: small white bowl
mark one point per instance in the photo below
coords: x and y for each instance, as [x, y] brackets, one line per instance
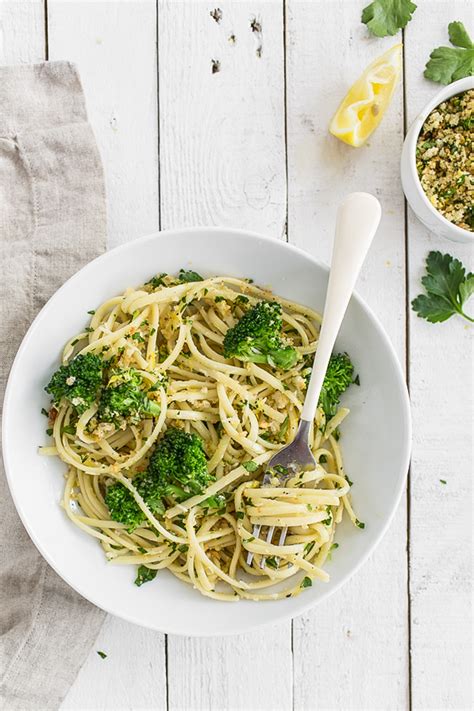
[412, 188]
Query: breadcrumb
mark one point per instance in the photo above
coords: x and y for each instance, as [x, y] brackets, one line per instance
[445, 159]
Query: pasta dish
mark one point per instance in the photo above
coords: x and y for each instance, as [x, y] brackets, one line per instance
[166, 409]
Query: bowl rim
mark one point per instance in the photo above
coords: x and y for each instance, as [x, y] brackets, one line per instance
[229, 233]
[411, 139]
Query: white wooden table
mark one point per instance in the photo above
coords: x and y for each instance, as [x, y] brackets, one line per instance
[247, 146]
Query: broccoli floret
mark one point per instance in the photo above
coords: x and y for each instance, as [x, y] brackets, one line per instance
[339, 376]
[179, 462]
[257, 338]
[124, 399]
[123, 507]
[177, 470]
[78, 382]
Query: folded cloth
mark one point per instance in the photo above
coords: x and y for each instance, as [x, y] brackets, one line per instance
[52, 221]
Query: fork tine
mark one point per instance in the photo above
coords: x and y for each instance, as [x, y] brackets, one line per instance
[266, 481]
[282, 540]
[283, 533]
[255, 534]
[268, 539]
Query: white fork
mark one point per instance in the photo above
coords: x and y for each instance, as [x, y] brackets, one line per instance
[357, 220]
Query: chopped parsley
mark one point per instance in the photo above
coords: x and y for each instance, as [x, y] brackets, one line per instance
[250, 466]
[188, 276]
[271, 561]
[144, 575]
[156, 281]
[282, 432]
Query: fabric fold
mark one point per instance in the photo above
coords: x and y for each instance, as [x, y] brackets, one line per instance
[52, 222]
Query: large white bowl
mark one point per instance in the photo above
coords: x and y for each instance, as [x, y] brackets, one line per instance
[416, 196]
[375, 441]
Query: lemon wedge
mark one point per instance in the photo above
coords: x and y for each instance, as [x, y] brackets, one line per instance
[365, 103]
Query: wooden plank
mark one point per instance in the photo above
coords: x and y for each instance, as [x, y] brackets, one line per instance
[351, 652]
[222, 146]
[114, 46]
[441, 357]
[130, 677]
[21, 32]
[222, 162]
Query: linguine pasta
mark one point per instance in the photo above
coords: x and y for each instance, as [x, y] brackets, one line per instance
[172, 334]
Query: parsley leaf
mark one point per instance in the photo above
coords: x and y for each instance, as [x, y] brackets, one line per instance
[250, 466]
[144, 575]
[386, 17]
[448, 64]
[306, 582]
[448, 288]
[102, 655]
[458, 35]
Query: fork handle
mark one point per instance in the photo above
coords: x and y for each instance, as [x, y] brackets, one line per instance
[357, 220]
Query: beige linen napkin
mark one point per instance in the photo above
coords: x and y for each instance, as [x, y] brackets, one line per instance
[52, 221]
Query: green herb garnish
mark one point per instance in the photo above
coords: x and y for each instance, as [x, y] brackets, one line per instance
[188, 275]
[448, 64]
[282, 432]
[144, 575]
[157, 280]
[250, 466]
[448, 288]
[271, 562]
[387, 17]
